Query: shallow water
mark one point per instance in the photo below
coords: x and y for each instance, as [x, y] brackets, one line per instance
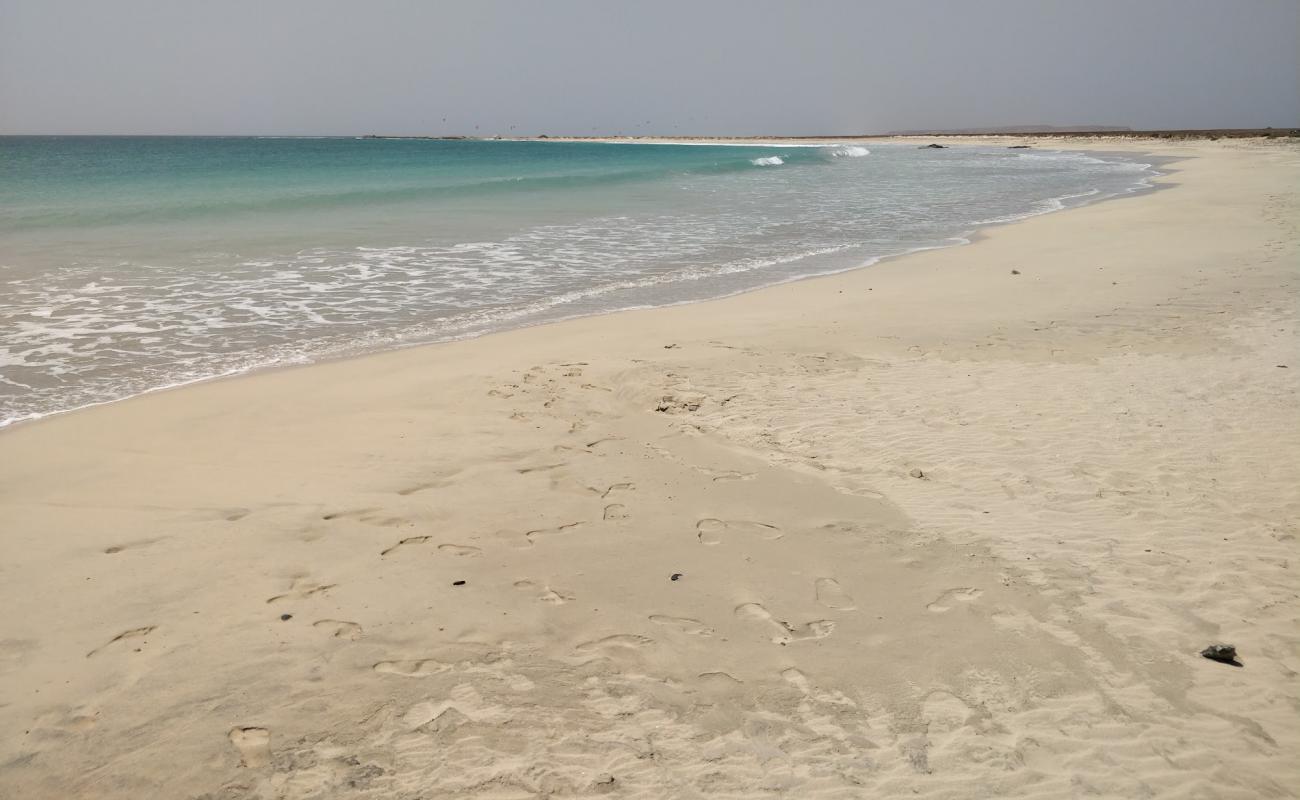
[133, 263]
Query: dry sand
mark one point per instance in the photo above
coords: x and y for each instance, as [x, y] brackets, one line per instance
[248, 588]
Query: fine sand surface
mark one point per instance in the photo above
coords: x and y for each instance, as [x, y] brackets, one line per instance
[247, 588]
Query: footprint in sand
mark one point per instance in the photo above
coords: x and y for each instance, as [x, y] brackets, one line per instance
[616, 511]
[539, 468]
[333, 515]
[945, 712]
[463, 550]
[134, 633]
[714, 531]
[720, 476]
[431, 717]
[800, 681]
[79, 720]
[421, 668]
[368, 516]
[614, 488]
[408, 541]
[533, 536]
[782, 631]
[619, 641]
[117, 548]
[954, 597]
[832, 595]
[253, 746]
[719, 680]
[546, 594]
[339, 629]
[797, 679]
[299, 590]
[691, 627]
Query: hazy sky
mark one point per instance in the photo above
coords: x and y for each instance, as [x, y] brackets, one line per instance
[607, 66]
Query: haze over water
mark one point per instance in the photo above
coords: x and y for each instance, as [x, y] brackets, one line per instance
[134, 263]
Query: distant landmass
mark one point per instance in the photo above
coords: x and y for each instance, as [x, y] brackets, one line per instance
[1103, 131]
[1019, 129]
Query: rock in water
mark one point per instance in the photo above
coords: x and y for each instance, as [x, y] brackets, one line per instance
[1223, 653]
[933, 147]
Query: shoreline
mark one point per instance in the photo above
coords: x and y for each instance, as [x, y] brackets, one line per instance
[953, 526]
[1152, 174]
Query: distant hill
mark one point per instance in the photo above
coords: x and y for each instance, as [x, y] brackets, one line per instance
[1018, 129]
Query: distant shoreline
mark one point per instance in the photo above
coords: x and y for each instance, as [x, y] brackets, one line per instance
[1188, 134]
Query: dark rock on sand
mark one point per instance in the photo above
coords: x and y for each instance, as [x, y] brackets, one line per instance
[1223, 653]
[1015, 272]
[676, 576]
[458, 583]
[286, 617]
[916, 472]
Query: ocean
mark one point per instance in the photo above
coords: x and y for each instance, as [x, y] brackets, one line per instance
[129, 264]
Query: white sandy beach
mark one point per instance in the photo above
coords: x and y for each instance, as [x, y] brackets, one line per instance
[939, 530]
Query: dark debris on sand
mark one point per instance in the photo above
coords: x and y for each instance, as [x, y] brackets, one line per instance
[1222, 653]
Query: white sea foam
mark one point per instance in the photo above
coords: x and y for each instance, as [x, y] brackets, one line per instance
[849, 151]
[767, 161]
[1045, 207]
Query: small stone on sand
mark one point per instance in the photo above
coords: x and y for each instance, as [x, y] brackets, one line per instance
[1223, 653]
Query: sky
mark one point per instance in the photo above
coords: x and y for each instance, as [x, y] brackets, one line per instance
[704, 67]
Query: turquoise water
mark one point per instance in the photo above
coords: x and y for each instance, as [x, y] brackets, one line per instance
[133, 263]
